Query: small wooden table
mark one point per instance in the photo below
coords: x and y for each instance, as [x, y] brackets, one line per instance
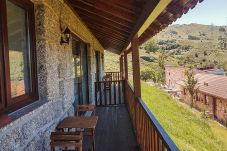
[83, 122]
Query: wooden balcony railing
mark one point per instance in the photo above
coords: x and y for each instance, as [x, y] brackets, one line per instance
[150, 134]
[109, 92]
[113, 76]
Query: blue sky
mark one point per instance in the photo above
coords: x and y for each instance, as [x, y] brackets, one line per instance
[208, 12]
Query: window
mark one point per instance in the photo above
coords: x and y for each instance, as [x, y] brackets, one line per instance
[17, 42]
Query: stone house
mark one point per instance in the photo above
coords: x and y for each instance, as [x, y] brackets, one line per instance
[58, 72]
[210, 95]
[173, 75]
[51, 58]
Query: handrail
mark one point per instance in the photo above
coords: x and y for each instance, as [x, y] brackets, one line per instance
[112, 72]
[149, 132]
[108, 81]
[109, 92]
[168, 141]
[112, 76]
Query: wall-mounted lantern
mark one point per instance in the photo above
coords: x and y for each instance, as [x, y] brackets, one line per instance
[65, 36]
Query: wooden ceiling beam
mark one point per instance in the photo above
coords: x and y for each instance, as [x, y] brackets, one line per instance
[111, 18]
[106, 29]
[103, 19]
[105, 23]
[110, 40]
[131, 6]
[105, 36]
[105, 8]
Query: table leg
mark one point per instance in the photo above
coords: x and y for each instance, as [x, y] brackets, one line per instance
[93, 139]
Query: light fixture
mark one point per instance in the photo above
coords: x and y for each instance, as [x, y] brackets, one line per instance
[65, 36]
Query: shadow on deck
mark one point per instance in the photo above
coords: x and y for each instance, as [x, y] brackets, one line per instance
[114, 131]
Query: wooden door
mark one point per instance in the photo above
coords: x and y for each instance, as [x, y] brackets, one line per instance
[215, 108]
[77, 71]
[97, 56]
[80, 54]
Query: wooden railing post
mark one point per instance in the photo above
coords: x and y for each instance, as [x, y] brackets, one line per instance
[136, 83]
[125, 66]
[136, 66]
[121, 67]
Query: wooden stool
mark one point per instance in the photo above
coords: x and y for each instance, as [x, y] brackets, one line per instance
[66, 139]
[85, 108]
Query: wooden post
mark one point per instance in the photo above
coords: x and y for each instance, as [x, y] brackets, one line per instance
[136, 66]
[121, 67]
[125, 66]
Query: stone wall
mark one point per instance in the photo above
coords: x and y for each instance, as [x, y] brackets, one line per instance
[222, 111]
[55, 78]
[205, 102]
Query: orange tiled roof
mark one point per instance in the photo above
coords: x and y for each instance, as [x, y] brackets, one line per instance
[215, 85]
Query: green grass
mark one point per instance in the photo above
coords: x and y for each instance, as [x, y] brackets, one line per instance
[184, 125]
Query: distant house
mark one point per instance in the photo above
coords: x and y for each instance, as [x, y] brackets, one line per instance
[173, 75]
[211, 95]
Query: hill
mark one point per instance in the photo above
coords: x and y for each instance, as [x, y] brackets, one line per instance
[199, 45]
[185, 45]
[187, 127]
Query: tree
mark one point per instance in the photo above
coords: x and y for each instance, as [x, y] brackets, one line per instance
[161, 63]
[196, 55]
[222, 29]
[190, 83]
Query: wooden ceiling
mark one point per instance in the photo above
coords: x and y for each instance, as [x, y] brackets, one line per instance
[111, 21]
[115, 22]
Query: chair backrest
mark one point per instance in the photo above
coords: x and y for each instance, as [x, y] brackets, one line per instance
[85, 108]
[66, 139]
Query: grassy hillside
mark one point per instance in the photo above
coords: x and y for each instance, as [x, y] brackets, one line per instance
[194, 44]
[185, 126]
[207, 44]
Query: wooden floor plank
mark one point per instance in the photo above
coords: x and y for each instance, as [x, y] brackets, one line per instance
[114, 130]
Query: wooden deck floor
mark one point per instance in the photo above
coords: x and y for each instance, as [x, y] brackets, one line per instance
[114, 130]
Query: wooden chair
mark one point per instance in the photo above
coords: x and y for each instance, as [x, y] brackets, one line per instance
[84, 108]
[66, 139]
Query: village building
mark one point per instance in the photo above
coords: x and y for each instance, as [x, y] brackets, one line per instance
[173, 75]
[211, 95]
[211, 90]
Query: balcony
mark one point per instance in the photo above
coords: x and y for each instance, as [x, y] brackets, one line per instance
[125, 122]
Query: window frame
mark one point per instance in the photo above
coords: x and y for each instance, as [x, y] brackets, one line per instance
[12, 104]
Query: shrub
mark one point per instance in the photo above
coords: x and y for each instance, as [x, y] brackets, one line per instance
[151, 46]
[146, 75]
[169, 44]
[190, 37]
[222, 29]
[173, 32]
[185, 47]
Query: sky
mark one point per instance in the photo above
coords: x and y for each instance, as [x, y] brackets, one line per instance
[208, 12]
